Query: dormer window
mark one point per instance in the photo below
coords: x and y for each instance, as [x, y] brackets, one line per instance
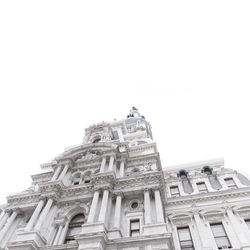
[202, 187]
[183, 174]
[174, 191]
[207, 170]
[230, 183]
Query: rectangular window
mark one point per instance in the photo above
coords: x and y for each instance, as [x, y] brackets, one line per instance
[174, 190]
[248, 223]
[230, 183]
[185, 238]
[220, 236]
[202, 187]
[135, 227]
[115, 135]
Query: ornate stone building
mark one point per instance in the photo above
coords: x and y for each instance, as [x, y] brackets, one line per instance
[111, 192]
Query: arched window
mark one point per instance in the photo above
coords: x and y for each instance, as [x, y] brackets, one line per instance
[183, 174]
[76, 179]
[74, 228]
[87, 177]
[207, 170]
[96, 139]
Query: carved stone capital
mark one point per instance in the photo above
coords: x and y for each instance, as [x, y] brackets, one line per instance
[8, 210]
[17, 210]
[118, 193]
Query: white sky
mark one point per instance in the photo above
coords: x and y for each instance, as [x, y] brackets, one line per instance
[65, 65]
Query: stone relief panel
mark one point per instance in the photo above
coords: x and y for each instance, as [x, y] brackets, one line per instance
[87, 156]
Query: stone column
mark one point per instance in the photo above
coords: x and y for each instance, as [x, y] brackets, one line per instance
[104, 206]
[237, 227]
[8, 224]
[202, 231]
[103, 164]
[111, 163]
[64, 233]
[34, 216]
[118, 204]
[44, 213]
[52, 234]
[122, 168]
[158, 206]
[63, 173]
[147, 207]
[4, 218]
[58, 234]
[93, 207]
[56, 173]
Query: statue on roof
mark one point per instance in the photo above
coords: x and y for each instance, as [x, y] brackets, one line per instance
[134, 113]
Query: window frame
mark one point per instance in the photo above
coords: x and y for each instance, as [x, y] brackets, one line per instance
[183, 247]
[198, 184]
[220, 237]
[231, 186]
[177, 194]
[131, 231]
[73, 225]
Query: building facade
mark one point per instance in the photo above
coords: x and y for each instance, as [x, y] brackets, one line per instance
[111, 193]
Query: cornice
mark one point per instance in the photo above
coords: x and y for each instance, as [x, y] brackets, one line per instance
[210, 196]
[149, 180]
[42, 177]
[51, 186]
[139, 239]
[74, 191]
[141, 159]
[23, 198]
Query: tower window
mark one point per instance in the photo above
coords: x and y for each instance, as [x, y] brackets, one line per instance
[134, 227]
[87, 179]
[174, 191]
[230, 183]
[220, 236]
[115, 135]
[185, 238]
[202, 187]
[76, 179]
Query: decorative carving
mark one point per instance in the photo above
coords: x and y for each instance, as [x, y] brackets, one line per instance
[134, 205]
[213, 215]
[87, 156]
[180, 219]
[148, 166]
